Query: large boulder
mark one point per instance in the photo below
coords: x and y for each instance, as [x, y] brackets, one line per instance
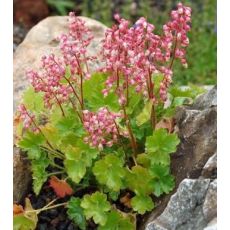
[40, 40]
[196, 159]
[193, 206]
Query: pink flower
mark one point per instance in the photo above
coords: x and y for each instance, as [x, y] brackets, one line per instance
[48, 80]
[132, 55]
[74, 46]
[27, 118]
[101, 127]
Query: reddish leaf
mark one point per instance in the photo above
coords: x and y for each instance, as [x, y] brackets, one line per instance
[166, 123]
[60, 187]
[126, 200]
[17, 209]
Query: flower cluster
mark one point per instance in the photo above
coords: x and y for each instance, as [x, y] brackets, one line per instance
[175, 31]
[102, 127]
[49, 80]
[74, 46]
[133, 54]
[27, 118]
[174, 42]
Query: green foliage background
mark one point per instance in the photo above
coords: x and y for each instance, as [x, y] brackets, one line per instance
[203, 36]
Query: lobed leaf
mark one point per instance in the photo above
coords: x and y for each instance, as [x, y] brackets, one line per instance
[139, 180]
[31, 141]
[116, 221]
[75, 212]
[60, 187]
[163, 182]
[33, 101]
[26, 220]
[39, 173]
[144, 116]
[96, 206]
[78, 158]
[93, 93]
[142, 204]
[161, 142]
[109, 171]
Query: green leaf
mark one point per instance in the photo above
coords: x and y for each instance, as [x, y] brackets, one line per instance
[78, 158]
[33, 101]
[39, 173]
[134, 100]
[138, 131]
[159, 157]
[157, 79]
[109, 171]
[139, 180]
[70, 125]
[31, 141]
[192, 91]
[96, 206]
[75, 212]
[113, 195]
[52, 134]
[178, 101]
[75, 170]
[142, 204]
[92, 89]
[143, 159]
[163, 182]
[23, 223]
[161, 142]
[116, 221]
[144, 116]
[27, 220]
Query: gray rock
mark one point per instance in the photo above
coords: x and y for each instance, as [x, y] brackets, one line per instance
[210, 168]
[22, 175]
[40, 40]
[210, 202]
[198, 134]
[206, 100]
[195, 157]
[184, 210]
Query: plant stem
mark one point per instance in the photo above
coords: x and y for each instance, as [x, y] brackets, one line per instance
[46, 208]
[81, 83]
[174, 51]
[56, 173]
[74, 91]
[153, 117]
[51, 202]
[59, 103]
[75, 109]
[132, 138]
[38, 128]
[54, 152]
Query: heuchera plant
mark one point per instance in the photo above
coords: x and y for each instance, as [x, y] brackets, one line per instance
[97, 136]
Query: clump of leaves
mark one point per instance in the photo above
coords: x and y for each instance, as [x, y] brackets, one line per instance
[93, 145]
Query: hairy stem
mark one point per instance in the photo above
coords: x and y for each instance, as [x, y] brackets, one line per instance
[56, 173]
[131, 135]
[54, 152]
[153, 117]
[37, 211]
[174, 51]
[38, 129]
[74, 91]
